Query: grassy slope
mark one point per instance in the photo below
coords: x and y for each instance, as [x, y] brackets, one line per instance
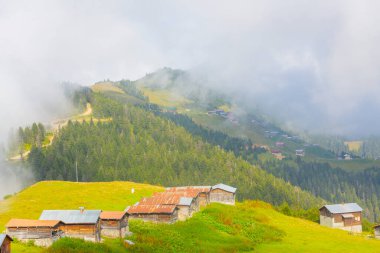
[69, 195]
[250, 226]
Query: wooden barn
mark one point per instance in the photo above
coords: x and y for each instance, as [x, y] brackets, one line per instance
[222, 193]
[114, 223]
[42, 232]
[201, 194]
[155, 213]
[84, 224]
[343, 216]
[5, 243]
[186, 205]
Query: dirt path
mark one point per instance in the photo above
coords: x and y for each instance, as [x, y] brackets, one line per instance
[56, 125]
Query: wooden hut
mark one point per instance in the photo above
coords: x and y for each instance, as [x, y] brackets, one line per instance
[5, 243]
[155, 213]
[222, 193]
[114, 223]
[343, 216]
[84, 224]
[186, 205]
[42, 232]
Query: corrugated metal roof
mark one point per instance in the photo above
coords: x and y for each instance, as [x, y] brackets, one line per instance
[25, 223]
[150, 209]
[344, 208]
[195, 189]
[72, 216]
[184, 201]
[112, 215]
[224, 187]
[2, 238]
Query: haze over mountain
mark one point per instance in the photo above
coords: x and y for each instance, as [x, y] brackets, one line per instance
[312, 65]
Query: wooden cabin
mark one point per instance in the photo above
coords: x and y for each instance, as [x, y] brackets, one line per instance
[42, 232]
[155, 213]
[114, 223]
[84, 224]
[5, 243]
[222, 193]
[186, 208]
[186, 205]
[343, 216]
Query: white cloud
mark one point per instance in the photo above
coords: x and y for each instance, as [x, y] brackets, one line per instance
[318, 60]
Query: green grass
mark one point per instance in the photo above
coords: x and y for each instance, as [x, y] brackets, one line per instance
[70, 245]
[218, 228]
[306, 236]
[165, 98]
[355, 165]
[251, 226]
[106, 86]
[30, 202]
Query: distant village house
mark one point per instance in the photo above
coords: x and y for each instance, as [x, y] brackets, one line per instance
[42, 232]
[114, 223]
[222, 193]
[84, 224]
[343, 216]
[300, 152]
[5, 243]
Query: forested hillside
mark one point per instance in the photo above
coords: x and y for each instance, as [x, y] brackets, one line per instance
[332, 184]
[137, 145]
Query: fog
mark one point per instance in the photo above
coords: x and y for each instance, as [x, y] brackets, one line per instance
[311, 65]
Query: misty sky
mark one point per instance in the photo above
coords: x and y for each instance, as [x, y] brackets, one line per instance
[313, 64]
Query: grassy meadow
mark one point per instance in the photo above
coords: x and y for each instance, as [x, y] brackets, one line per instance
[251, 226]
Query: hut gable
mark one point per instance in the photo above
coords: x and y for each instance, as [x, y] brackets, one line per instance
[222, 193]
[114, 223]
[344, 216]
[5, 243]
[43, 232]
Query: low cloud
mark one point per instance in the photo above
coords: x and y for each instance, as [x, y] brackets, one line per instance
[312, 65]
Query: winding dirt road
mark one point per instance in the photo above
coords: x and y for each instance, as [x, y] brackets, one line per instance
[56, 125]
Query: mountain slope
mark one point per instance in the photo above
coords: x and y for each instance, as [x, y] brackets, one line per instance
[319, 171]
[137, 145]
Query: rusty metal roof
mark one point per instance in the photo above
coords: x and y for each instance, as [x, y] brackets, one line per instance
[2, 238]
[151, 209]
[189, 191]
[25, 223]
[112, 215]
[72, 216]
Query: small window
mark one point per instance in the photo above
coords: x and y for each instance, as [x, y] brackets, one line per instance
[357, 218]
